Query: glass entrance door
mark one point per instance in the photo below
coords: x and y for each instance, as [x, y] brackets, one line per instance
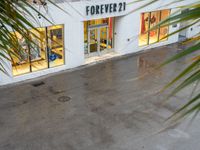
[97, 39]
[93, 40]
[103, 38]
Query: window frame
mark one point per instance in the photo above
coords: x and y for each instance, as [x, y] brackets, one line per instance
[29, 62]
[148, 34]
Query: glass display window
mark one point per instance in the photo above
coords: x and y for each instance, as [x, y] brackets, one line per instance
[38, 53]
[164, 30]
[56, 45]
[20, 61]
[144, 26]
[154, 20]
[46, 50]
[147, 21]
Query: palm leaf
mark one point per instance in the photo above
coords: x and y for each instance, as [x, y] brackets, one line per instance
[183, 53]
[17, 17]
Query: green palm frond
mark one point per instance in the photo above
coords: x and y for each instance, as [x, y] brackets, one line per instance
[190, 74]
[192, 106]
[183, 53]
[181, 29]
[143, 6]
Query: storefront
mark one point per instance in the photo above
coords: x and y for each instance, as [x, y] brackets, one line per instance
[92, 29]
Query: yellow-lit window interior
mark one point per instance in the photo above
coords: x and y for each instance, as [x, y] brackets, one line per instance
[106, 34]
[38, 52]
[143, 37]
[21, 63]
[56, 45]
[46, 50]
[164, 30]
[153, 34]
[149, 20]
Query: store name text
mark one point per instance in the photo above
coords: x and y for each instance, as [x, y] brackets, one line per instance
[105, 8]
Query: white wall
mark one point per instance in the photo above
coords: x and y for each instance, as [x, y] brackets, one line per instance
[193, 30]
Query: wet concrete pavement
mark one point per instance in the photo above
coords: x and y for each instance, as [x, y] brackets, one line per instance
[108, 106]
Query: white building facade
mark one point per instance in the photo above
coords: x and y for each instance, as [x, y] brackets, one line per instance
[87, 29]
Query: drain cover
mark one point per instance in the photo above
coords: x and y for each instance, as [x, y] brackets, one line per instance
[36, 84]
[64, 99]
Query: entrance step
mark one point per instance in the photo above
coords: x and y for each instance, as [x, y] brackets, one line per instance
[100, 58]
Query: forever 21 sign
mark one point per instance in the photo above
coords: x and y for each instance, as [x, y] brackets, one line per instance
[105, 8]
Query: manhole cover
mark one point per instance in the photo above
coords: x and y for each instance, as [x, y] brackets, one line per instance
[64, 99]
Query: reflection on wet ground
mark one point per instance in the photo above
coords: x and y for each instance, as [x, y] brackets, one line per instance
[114, 105]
